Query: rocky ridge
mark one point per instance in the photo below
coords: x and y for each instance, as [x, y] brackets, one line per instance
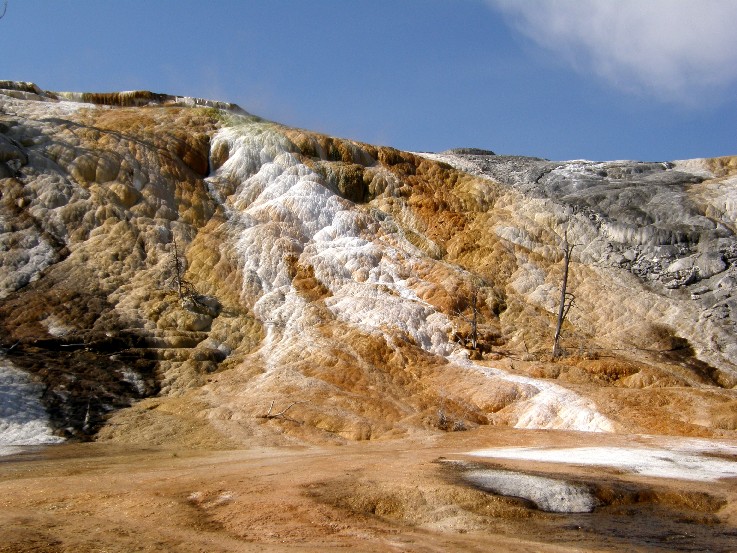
[670, 223]
[178, 270]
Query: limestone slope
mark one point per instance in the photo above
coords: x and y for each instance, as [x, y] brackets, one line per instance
[177, 270]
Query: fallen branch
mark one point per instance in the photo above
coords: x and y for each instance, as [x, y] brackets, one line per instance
[281, 414]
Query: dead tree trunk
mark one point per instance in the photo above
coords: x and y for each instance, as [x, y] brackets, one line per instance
[178, 269]
[566, 298]
[184, 288]
[474, 319]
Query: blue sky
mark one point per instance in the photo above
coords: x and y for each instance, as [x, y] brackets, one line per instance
[560, 79]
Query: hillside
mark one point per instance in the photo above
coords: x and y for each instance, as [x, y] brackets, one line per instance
[178, 271]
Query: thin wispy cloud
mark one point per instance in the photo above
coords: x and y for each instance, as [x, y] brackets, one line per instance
[674, 50]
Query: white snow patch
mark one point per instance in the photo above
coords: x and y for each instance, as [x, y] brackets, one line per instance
[56, 327]
[697, 166]
[684, 461]
[549, 406]
[133, 378]
[39, 108]
[23, 420]
[23, 261]
[456, 161]
[548, 494]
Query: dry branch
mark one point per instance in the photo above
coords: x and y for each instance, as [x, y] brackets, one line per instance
[281, 414]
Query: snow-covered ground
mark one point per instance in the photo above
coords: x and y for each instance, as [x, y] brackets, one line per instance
[675, 458]
[548, 494]
[23, 419]
[697, 460]
[543, 405]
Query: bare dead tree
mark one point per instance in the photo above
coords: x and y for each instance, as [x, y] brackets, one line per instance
[184, 288]
[475, 318]
[471, 320]
[177, 269]
[566, 298]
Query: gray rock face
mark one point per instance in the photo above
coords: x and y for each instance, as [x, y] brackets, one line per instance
[670, 223]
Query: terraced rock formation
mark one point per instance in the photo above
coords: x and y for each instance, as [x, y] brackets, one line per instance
[175, 270]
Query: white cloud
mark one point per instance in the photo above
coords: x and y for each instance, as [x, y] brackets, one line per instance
[674, 50]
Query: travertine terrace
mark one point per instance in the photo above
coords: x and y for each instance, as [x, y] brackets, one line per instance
[335, 278]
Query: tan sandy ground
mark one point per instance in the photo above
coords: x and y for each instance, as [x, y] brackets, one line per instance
[370, 496]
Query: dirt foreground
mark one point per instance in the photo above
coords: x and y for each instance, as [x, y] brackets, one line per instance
[373, 496]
